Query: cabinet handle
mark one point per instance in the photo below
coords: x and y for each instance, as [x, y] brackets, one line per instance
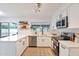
[23, 42]
[20, 41]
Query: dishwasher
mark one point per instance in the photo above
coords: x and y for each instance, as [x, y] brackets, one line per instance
[32, 41]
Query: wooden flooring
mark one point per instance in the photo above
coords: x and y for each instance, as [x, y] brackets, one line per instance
[32, 51]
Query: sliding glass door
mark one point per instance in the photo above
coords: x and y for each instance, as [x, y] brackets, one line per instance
[13, 28]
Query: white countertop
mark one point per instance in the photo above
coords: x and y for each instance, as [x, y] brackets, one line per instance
[69, 44]
[12, 38]
[9, 38]
[40, 35]
[19, 36]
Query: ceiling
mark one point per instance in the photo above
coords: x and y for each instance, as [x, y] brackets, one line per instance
[26, 11]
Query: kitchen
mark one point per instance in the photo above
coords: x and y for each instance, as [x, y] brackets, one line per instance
[46, 26]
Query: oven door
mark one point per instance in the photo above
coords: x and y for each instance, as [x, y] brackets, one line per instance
[56, 47]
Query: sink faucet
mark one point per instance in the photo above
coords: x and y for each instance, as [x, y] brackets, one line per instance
[35, 32]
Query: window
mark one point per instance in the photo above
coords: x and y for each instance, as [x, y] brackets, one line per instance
[40, 28]
[7, 29]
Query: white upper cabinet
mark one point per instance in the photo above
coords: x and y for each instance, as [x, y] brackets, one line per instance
[74, 16]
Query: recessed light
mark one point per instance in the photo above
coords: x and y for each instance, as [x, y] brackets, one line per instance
[2, 13]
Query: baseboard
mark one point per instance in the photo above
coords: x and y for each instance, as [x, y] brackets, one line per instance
[42, 47]
[32, 46]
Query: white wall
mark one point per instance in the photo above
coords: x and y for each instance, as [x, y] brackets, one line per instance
[8, 19]
[72, 10]
[21, 32]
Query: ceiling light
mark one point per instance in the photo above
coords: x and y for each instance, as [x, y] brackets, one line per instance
[37, 7]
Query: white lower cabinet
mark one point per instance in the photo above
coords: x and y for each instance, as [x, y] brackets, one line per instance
[21, 45]
[68, 51]
[13, 48]
[51, 44]
[7, 48]
[43, 41]
[63, 51]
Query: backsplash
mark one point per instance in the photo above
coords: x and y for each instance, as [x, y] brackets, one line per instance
[69, 30]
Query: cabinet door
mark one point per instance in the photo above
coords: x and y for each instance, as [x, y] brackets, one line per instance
[40, 42]
[63, 51]
[24, 43]
[74, 16]
[19, 47]
[43, 41]
[47, 41]
[74, 51]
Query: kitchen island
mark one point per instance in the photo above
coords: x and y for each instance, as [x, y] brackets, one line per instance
[16, 44]
[13, 45]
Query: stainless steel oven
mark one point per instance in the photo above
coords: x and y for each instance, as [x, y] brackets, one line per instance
[56, 46]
